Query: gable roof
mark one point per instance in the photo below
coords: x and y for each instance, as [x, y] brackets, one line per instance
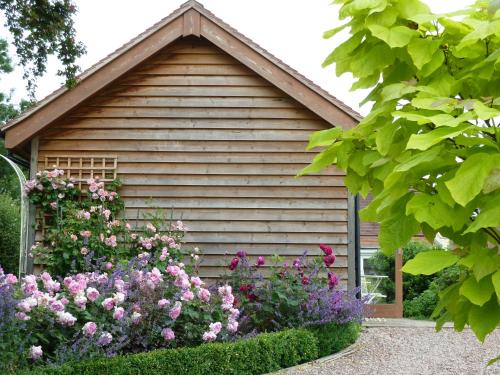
[191, 19]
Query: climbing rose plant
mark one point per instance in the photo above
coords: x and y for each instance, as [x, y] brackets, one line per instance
[428, 152]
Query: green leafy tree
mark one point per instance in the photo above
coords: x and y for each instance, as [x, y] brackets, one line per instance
[41, 28]
[429, 149]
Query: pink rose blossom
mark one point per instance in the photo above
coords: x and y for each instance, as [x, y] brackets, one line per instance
[260, 261]
[109, 265]
[216, 327]
[64, 301]
[209, 336]
[118, 313]
[163, 303]
[92, 294]
[56, 306]
[204, 295]
[173, 270]
[84, 251]
[187, 295]
[196, 281]
[168, 334]
[65, 318]
[86, 215]
[36, 352]
[22, 316]
[89, 329]
[81, 301]
[175, 311]
[108, 304]
[232, 326]
[74, 237]
[119, 298]
[10, 279]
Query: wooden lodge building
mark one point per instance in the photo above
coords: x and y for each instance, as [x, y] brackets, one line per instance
[193, 116]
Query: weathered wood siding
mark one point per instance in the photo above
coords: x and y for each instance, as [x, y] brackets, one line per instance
[199, 133]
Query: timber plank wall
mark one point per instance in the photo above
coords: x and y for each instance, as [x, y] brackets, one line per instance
[199, 133]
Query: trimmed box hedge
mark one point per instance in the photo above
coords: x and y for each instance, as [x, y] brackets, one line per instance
[262, 354]
[332, 337]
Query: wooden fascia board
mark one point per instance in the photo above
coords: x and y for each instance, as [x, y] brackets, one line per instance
[60, 106]
[274, 74]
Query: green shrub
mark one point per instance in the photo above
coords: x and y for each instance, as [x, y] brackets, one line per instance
[420, 292]
[333, 337]
[422, 306]
[9, 233]
[258, 355]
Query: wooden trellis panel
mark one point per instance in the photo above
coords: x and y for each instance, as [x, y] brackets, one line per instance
[83, 168]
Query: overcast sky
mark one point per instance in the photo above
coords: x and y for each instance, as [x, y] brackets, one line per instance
[290, 30]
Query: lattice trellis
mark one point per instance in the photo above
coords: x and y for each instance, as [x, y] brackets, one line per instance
[83, 168]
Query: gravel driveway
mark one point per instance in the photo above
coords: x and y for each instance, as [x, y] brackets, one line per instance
[391, 350]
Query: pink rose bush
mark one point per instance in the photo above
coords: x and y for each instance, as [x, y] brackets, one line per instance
[81, 231]
[144, 305]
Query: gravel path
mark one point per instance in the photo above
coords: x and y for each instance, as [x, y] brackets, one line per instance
[394, 351]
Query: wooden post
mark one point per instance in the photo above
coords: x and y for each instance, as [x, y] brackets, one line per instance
[351, 241]
[398, 308]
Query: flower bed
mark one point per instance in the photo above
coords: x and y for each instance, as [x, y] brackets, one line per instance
[114, 296]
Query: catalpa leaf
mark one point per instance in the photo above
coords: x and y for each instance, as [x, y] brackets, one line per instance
[495, 279]
[470, 177]
[430, 262]
[397, 36]
[328, 34]
[396, 231]
[432, 210]
[484, 112]
[323, 137]
[482, 261]
[427, 140]
[483, 320]
[488, 216]
[478, 292]
[422, 50]
[396, 91]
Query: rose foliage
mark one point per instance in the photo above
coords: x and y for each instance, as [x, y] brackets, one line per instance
[428, 152]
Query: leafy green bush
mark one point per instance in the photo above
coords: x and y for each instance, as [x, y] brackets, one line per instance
[420, 292]
[258, 355]
[9, 233]
[333, 337]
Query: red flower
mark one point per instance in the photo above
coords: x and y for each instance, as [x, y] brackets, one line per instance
[326, 249]
[234, 264]
[246, 287]
[251, 297]
[333, 280]
[329, 260]
[260, 261]
[306, 280]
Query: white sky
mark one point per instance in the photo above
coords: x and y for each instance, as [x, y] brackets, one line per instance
[290, 29]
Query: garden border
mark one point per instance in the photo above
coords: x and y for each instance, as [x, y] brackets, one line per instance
[265, 353]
